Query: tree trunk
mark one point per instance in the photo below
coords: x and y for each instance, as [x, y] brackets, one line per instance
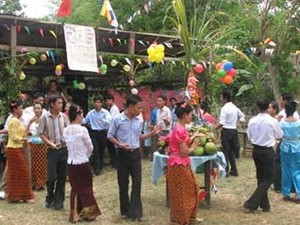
[273, 69]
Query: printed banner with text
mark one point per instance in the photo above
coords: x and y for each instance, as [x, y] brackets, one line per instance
[81, 48]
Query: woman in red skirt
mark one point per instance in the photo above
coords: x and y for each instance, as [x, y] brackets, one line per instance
[83, 205]
[18, 181]
[38, 150]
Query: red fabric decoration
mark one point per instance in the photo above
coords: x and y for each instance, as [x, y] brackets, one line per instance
[65, 8]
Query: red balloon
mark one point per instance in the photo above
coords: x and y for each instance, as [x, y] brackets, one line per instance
[198, 68]
[228, 79]
[231, 73]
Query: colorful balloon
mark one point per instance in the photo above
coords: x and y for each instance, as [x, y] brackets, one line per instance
[134, 91]
[81, 86]
[113, 62]
[58, 67]
[22, 76]
[58, 72]
[219, 66]
[131, 83]
[32, 61]
[231, 73]
[221, 73]
[228, 79]
[227, 66]
[126, 68]
[198, 68]
[43, 57]
[75, 84]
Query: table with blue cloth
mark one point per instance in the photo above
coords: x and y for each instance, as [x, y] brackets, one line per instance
[160, 162]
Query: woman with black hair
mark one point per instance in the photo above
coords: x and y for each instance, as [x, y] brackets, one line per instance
[290, 153]
[182, 186]
[205, 114]
[18, 181]
[82, 201]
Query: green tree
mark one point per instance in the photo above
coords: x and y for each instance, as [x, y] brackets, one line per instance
[12, 7]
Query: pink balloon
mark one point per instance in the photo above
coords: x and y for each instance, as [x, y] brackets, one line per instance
[231, 72]
[198, 68]
[131, 83]
[58, 72]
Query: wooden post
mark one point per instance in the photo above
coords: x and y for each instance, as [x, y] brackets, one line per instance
[13, 40]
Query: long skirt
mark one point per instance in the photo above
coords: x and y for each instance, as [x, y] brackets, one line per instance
[18, 181]
[290, 173]
[38, 165]
[183, 194]
[82, 200]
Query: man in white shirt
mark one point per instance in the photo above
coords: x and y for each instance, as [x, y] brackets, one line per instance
[263, 130]
[230, 114]
[163, 119]
[114, 112]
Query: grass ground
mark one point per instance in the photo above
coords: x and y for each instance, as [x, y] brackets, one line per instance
[226, 205]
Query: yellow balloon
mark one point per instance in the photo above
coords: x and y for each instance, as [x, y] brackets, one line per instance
[22, 76]
[152, 58]
[151, 50]
[160, 48]
[113, 62]
[32, 61]
[58, 68]
[126, 68]
[81, 86]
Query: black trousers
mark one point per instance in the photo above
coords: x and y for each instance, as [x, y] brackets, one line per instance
[230, 144]
[264, 162]
[56, 177]
[129, 164]
[277, 170]
[112, 151]
[99, 140]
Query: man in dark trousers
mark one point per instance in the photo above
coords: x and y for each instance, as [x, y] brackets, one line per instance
[98, 119]
[51, 130]
[125, 132]
[262, 131]
[230, 114]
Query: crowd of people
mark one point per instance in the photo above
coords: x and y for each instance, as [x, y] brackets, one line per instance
[45, 147]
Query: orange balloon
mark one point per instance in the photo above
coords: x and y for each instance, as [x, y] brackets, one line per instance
[228, 79]
[219, 66]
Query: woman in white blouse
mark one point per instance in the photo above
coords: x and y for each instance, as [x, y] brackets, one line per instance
[83, 205]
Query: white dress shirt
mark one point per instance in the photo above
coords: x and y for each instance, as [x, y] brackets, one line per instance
[114, 111]
[263, 130]
[161, 114]
[28, 114]
[230, 114]
[282, 114]
[79, 144]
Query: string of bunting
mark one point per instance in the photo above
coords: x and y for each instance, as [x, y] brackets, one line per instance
[146, 8]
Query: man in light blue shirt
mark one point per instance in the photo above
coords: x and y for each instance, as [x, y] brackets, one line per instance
[98, 120]
[125, 132]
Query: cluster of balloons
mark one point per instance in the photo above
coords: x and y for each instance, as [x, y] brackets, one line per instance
[156, 52]
[103, 69]
[76, 85]
[226, 72]
[58, 69]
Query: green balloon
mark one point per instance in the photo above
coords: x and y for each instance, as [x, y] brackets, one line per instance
[103, 67]
[221, 73]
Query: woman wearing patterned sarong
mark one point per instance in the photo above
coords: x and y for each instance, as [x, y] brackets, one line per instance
[82, 202]
[290, 153]
[18, 181]
[38, 150]
[182, 186]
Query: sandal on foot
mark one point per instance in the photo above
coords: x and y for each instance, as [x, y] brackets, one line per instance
[287, 198]
[196, 220]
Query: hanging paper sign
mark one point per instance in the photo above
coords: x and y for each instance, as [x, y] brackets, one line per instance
[81, 48]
